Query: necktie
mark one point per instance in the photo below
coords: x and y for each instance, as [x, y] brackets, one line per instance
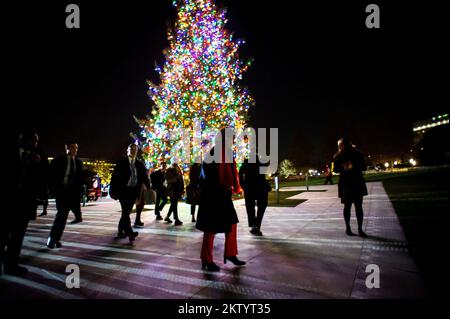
[133, 178]
[72, 170]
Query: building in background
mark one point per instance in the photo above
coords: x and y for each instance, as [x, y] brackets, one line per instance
[430, 143]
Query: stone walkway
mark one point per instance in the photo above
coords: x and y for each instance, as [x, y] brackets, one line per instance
[304, 253]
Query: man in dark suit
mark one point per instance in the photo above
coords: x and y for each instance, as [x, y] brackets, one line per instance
[23, 174]
[66, 181]
[126, 183]
[256, 189]
[158, 179]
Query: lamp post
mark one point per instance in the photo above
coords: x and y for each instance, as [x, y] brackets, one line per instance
[277, 189]
[307, 182]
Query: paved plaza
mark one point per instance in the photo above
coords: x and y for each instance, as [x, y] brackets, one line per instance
[304, 253]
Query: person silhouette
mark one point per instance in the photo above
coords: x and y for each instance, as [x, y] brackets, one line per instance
[349, 163]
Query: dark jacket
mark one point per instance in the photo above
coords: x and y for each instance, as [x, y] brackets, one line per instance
[25, 179]
[58, 168]
[193, 189]
[121, 177]
[175, 183]
[43, 179]
[352, 185]
[253, 183]
[216, 213]
[158, 177]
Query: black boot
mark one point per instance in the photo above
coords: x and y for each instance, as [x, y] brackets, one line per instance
[210, 266]
[234, 260]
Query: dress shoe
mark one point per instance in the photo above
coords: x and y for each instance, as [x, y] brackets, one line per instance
[158, 217]
[15, 271]
[193, 219]
[121, 236]
[50, 243]
[44, 213]
[178, 223]
[234, 260]
[133, 236]
[255, 231]
[76, 221]
[138, 224]
[167, 219]
[58, 244]
[349, 232]
[210, 266]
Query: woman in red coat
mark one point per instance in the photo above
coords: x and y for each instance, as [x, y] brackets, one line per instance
[216, 213]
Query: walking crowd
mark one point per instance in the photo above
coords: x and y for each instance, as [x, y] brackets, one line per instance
[211, 188]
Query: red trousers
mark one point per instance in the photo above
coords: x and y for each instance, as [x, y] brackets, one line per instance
[230, 245]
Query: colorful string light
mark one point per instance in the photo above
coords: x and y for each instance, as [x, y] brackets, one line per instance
[199, 80]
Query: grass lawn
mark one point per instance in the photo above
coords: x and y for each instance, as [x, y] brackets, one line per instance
[372, 177]
[421, 201]
[283, 201]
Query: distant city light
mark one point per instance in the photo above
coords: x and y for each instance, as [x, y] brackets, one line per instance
[435, 121]
[386, 165]
[413, 162]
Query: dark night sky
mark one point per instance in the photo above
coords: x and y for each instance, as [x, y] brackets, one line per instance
[318, 72]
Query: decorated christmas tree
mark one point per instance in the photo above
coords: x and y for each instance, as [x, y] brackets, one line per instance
[199, 82]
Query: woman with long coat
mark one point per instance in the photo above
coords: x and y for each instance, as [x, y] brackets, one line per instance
[216, 213]
[350, 164]
[193, 189]
[175, 190]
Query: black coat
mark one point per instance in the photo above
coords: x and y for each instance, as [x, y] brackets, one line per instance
[216, 213]
[25, 174]
[58, 168]
[352, 185]
[175, 183]
[158, 177]
[193, 189]
[121, 177]
[253, 183]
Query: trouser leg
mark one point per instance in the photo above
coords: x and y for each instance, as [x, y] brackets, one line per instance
[139, 208]
[174, 207]
[250, 208]
[207, 247]
[15, 240]
[262, 205]
[231, 242]
[125, 222]
[59, 224]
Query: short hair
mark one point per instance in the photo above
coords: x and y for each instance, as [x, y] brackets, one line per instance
[26, 136]
[71, 142]
[346, 142]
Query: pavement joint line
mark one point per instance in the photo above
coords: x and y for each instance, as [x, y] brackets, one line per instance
[164, 276]
[35, 285]
[300, 287]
